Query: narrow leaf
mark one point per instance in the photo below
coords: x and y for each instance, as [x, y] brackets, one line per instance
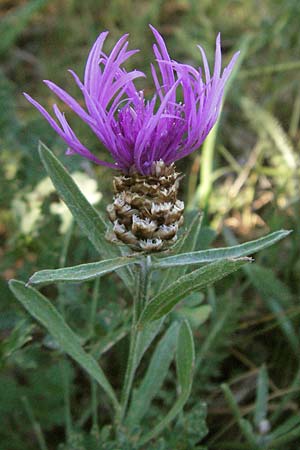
[196, 316]
[155, 375]
[89, 220]
[82, 272]
[261, 404]
[215, 254]
[185, 359]
[87, 217]
[165, 301]
[44, 312]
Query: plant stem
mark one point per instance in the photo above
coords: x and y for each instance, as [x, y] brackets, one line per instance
[139, 301]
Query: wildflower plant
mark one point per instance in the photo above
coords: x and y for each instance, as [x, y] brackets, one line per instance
[145, 138]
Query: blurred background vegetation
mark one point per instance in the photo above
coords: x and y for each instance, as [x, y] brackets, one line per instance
[246, 178]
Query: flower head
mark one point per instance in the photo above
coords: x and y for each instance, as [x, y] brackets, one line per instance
[139, 132]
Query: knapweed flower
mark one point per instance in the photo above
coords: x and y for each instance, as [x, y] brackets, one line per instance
[144, 137]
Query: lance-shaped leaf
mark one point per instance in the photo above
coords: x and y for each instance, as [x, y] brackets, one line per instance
[43, 311]
[262, 394]
[165, 301]
[82, 272]
[87, 217]
[185, 359]
[155, 375]
[215, 254]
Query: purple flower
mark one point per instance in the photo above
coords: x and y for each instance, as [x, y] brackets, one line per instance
[136, 131]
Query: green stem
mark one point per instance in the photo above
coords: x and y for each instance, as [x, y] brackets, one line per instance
[139, 301]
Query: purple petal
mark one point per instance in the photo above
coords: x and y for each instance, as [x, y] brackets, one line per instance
[131, 129]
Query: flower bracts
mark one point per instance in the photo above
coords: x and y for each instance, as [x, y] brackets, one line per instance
[146, 213]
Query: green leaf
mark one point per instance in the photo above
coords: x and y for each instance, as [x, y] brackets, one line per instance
[185, 357]
[185, 360]
[82, 272]
[88, 218]
[43, 311]
[261, 404]
[155, 375]
[165, 301]
[196, 316]
[215, 254]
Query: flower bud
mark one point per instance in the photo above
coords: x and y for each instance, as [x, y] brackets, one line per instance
[146, 213]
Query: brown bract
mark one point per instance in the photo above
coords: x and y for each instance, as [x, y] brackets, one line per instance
[146, 213]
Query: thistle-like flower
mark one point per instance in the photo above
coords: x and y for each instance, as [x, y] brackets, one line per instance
[144, 137]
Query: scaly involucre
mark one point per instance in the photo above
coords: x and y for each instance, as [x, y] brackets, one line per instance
[138, 132]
